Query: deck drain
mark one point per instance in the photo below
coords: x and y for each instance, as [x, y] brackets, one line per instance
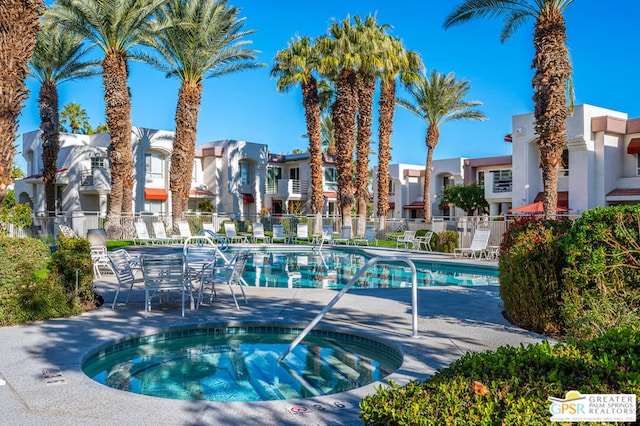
[53, 376]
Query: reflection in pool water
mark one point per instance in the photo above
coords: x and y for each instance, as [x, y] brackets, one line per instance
[334, 269]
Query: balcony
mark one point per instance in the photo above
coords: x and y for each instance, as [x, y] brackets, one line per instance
[95, 181]
[288, 188]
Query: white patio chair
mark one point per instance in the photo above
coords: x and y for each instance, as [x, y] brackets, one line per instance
[278, 234]
[101, 262]
[478, 245]
[369, 236]
[424, 241]
[161, 234]
[409, 237]
[345, 236]
[258, 234]
[327, 236]
[230, 274]
[142, 234]
[122, 268]
[162, 274]
[67, 231]
[231, 235]
[302, 232]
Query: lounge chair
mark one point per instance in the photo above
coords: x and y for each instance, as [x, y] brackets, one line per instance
[100, 261]
[302, 232]
[327, 235]
[278, 234]
[161, 234]
[142, 234]
[184, 231]
[67, 231]
[409, 237]
[258, 234]
[231, 235]
[478, 245]
[369, 236]
[345, 236]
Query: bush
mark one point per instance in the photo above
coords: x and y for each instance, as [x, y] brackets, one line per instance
[445, 241]
[602, 279]
[511, 385]
[531, 282]
[71, 255]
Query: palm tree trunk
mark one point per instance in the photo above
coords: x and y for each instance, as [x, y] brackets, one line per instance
[118, 117]
[49, 125]
[366, 90]
[184, 144]
[386, 109]
[311, 103]
[553, 69]
[433, 134]
[20, 22]
[344, 119]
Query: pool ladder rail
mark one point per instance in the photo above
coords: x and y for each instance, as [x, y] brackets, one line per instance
[370, 263]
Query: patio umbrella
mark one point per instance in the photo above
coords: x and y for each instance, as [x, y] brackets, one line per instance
[535, 208]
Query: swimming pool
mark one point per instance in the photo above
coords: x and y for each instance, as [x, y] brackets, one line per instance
[333, 268]
[240, 363]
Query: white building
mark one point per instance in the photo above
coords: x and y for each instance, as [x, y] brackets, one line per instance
[601, 165]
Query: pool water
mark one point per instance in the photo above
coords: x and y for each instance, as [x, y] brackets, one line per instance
[240, 364]
[334, 268]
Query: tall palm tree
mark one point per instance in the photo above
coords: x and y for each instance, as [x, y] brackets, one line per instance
[115, 27]
[553, 69]
[396, 61]
[196, 40]
[438, 99]
[57, 58]
[296, 65]
[19, 23]
[76, 116]
[370, 51]
[340, 60]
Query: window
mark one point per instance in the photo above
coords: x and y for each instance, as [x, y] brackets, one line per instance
[153, 166]
[245, 173]
[502, 180]
[330, 177]
[638, 164]
[273, 175]
[98, 163]
[480, 179]
[294, 173]
[392, 187]
[447, 181]
[564, 167]
[154, 206]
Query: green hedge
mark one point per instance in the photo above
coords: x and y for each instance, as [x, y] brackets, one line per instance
[510, 386]
[531, 281]
[602, 281]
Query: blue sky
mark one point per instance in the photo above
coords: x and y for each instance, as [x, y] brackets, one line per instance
[603, 42]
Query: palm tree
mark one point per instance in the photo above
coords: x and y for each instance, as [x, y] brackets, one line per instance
[396, 61]
[296, 65]
[57, 58]
[115, 27]
[340, 60]
[76, 116]
[19, 20]
[196, 40]
[552, 73]
[437, 99]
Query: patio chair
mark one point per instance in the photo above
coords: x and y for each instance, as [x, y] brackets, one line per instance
[142, 234]
[122, 268]
[424, 241]
[327, 235]
[278, 234]
[67, 231]
[184, 231]
[231, 235]
[345, 236]
[230, 274]
[409, 237]
[478, 245]
[369, 236]
[258, 234]
[161, 234]
[100, 260]
[162, 274]
[302, 232]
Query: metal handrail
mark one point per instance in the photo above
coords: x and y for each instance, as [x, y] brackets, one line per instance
[370, 263]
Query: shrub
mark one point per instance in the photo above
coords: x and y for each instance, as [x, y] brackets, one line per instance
[602, 279]
[445, 241]
[71, 255]
[531, 262]
[510, 386]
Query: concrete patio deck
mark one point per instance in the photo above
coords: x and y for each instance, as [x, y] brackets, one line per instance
[452, 321]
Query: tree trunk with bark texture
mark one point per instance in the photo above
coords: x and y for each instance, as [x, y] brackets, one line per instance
[386, 104]
[49, 122]
[433, 135]
[311, 104]
[366, 90]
